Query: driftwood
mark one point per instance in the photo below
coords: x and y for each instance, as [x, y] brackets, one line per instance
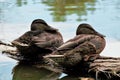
[9, 50]
[107, 67]
[103, 68]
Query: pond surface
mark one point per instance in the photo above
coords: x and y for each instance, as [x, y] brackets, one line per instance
[65, 15]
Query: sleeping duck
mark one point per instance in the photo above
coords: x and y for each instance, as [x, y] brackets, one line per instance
[42, 39]
[85, 46]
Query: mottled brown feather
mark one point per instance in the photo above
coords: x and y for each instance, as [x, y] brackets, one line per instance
[39, 40]
[86, 45]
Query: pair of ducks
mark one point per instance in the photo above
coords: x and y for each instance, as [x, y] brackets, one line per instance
[43, 41]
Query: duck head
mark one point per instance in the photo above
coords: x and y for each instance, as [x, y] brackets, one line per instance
[87, 29]
[39, 24]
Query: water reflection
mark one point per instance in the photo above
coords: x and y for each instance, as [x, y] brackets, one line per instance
[62, 8]
[21, 2]
[76, 78]
[59, 10]
[29, 72]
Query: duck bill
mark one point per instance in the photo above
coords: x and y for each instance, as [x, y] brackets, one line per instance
[100, 34]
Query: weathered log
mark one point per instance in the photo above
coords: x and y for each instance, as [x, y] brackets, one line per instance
[107, 67]
[9, 50]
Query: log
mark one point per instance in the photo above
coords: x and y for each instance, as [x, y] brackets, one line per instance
[9, 50]
[102, 68]
[107, 67]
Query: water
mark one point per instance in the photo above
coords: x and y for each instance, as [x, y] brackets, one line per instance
[17, 15]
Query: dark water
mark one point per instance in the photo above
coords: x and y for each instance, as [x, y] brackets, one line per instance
[17, 15]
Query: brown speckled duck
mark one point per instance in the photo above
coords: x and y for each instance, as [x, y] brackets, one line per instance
[85, 46]
[42, 39]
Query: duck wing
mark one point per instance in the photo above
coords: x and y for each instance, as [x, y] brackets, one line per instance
[26, 39]
[72, 43]
[48, 40]
[74, 50]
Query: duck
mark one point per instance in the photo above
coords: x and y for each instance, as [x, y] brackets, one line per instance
[85, 46]
[42, 39]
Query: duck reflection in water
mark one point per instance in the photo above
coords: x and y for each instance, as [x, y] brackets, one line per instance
[42, 39]
[76, 78]
[30, 72]
[85, 46]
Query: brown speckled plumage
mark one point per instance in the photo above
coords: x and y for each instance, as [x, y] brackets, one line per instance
[40, 40]
[86, 45]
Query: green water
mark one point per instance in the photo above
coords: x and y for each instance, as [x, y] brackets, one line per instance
[65, 15]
